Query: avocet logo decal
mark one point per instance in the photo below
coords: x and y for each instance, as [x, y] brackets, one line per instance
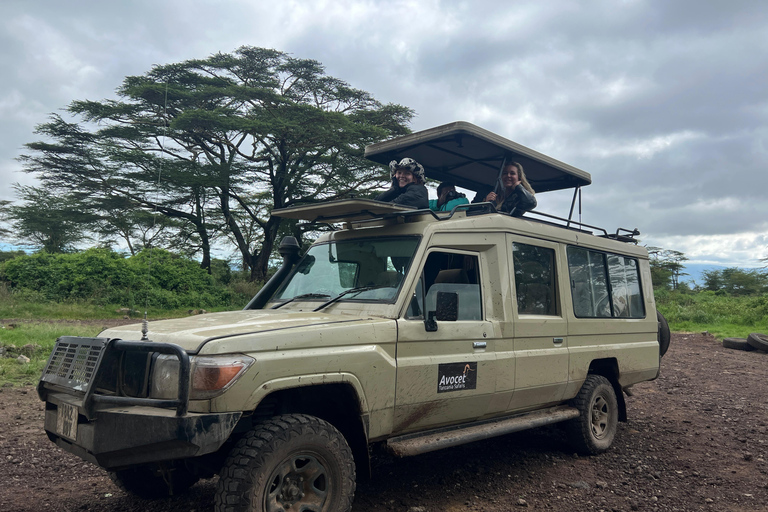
[456, 376]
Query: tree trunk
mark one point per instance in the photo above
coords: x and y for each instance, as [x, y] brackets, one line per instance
[260, 260]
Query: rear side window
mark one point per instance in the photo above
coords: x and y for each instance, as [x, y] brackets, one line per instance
[534, 279]
[625, 287]
[604, 285]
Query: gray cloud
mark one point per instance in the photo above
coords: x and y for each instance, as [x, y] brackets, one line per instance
[664, 103]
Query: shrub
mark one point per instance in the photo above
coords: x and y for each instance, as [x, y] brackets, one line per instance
[101, 276]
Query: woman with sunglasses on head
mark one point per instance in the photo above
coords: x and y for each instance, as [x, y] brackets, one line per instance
[407, 184]
[517, 196]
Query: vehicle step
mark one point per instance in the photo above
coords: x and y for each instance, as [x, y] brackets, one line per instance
[414, 444]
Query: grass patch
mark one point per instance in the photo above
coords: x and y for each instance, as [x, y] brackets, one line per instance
[722, 315]
[41, 324]
[42, 335]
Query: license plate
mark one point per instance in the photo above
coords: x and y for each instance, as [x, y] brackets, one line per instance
[66, 422]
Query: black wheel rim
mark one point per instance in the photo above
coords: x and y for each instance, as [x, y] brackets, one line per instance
[301, 482]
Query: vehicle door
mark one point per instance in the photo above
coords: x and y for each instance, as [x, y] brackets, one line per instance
[540, 346]
[445, 375]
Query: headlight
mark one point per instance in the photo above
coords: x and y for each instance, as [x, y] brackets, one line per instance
[210, 375]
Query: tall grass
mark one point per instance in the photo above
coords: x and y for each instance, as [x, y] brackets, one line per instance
[722, 315]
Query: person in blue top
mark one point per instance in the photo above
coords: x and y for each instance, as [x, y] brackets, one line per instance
[447, 198]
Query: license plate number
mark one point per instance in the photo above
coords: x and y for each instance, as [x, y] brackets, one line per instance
[66, 422]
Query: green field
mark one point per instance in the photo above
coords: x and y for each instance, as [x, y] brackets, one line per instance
[724, 316]
[36, 325]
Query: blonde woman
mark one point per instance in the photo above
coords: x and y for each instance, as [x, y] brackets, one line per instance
[517, 196]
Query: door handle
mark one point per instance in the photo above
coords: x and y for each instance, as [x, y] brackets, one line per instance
[478, 344]
[557, 341]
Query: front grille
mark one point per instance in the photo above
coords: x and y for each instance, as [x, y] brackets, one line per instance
[74, 361]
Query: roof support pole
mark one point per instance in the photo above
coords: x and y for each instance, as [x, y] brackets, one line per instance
[576, 191]
[499, 188]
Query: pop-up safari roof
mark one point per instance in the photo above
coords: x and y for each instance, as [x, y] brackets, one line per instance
[459, 152]
[471, 157]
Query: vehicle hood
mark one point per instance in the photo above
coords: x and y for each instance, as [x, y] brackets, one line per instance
[191, 333]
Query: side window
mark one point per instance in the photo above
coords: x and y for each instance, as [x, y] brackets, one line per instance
[534, 269]
[449, 272]
[591, 273]
[589, 283]
[625, 287]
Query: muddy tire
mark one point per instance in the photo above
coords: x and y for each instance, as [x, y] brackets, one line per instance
[664, 335]
[593, 431]
[150, 482]
[290, 462]
[758, 341]
[737, 344]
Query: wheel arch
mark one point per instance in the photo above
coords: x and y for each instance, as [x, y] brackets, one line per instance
[609, 368]
[338, 403]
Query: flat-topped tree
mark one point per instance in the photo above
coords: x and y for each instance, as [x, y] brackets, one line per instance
[219, 142]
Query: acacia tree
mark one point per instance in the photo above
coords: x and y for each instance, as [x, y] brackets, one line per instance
[218, 143]
[736, 281]
[666, 266]
[50, 224]
[4, 232]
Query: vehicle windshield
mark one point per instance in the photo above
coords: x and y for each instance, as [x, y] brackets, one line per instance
[379, 265]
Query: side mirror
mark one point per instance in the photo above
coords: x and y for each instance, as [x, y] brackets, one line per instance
[447, 305]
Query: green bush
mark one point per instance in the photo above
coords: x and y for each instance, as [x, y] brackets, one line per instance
[155, 278]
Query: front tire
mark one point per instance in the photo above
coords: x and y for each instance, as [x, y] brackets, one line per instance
[593, 431]
[290, 462]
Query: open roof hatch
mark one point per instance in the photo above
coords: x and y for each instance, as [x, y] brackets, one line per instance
[467, 155]
[471, 157]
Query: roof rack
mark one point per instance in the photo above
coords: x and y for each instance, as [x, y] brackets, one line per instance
[349, 217]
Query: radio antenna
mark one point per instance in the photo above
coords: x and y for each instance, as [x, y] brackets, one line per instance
[145, 321]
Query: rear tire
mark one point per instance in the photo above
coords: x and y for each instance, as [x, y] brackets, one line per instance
[153, 482]
[664, 334]
[593, 431]
[290, 462]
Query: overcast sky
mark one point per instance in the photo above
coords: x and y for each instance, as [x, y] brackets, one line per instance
[663, 102]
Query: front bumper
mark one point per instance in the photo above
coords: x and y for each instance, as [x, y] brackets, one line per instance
[125, 436]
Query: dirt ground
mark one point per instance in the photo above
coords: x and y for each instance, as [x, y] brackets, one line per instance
[695, 440]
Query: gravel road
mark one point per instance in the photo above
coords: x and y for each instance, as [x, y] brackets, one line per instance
[695, 440]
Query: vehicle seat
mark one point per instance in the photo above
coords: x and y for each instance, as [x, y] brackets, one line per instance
[452, 275]
[389, 278]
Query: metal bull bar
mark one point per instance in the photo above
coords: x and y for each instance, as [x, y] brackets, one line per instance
[75, 364]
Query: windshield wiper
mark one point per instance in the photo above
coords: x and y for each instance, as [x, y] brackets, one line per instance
[359, 289]
[302, 296]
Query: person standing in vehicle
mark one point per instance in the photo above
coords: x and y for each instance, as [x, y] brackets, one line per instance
[407, 185]
[517, 197]
[447, 198]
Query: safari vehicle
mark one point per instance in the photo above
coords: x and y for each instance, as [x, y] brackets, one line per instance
[410, 330]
